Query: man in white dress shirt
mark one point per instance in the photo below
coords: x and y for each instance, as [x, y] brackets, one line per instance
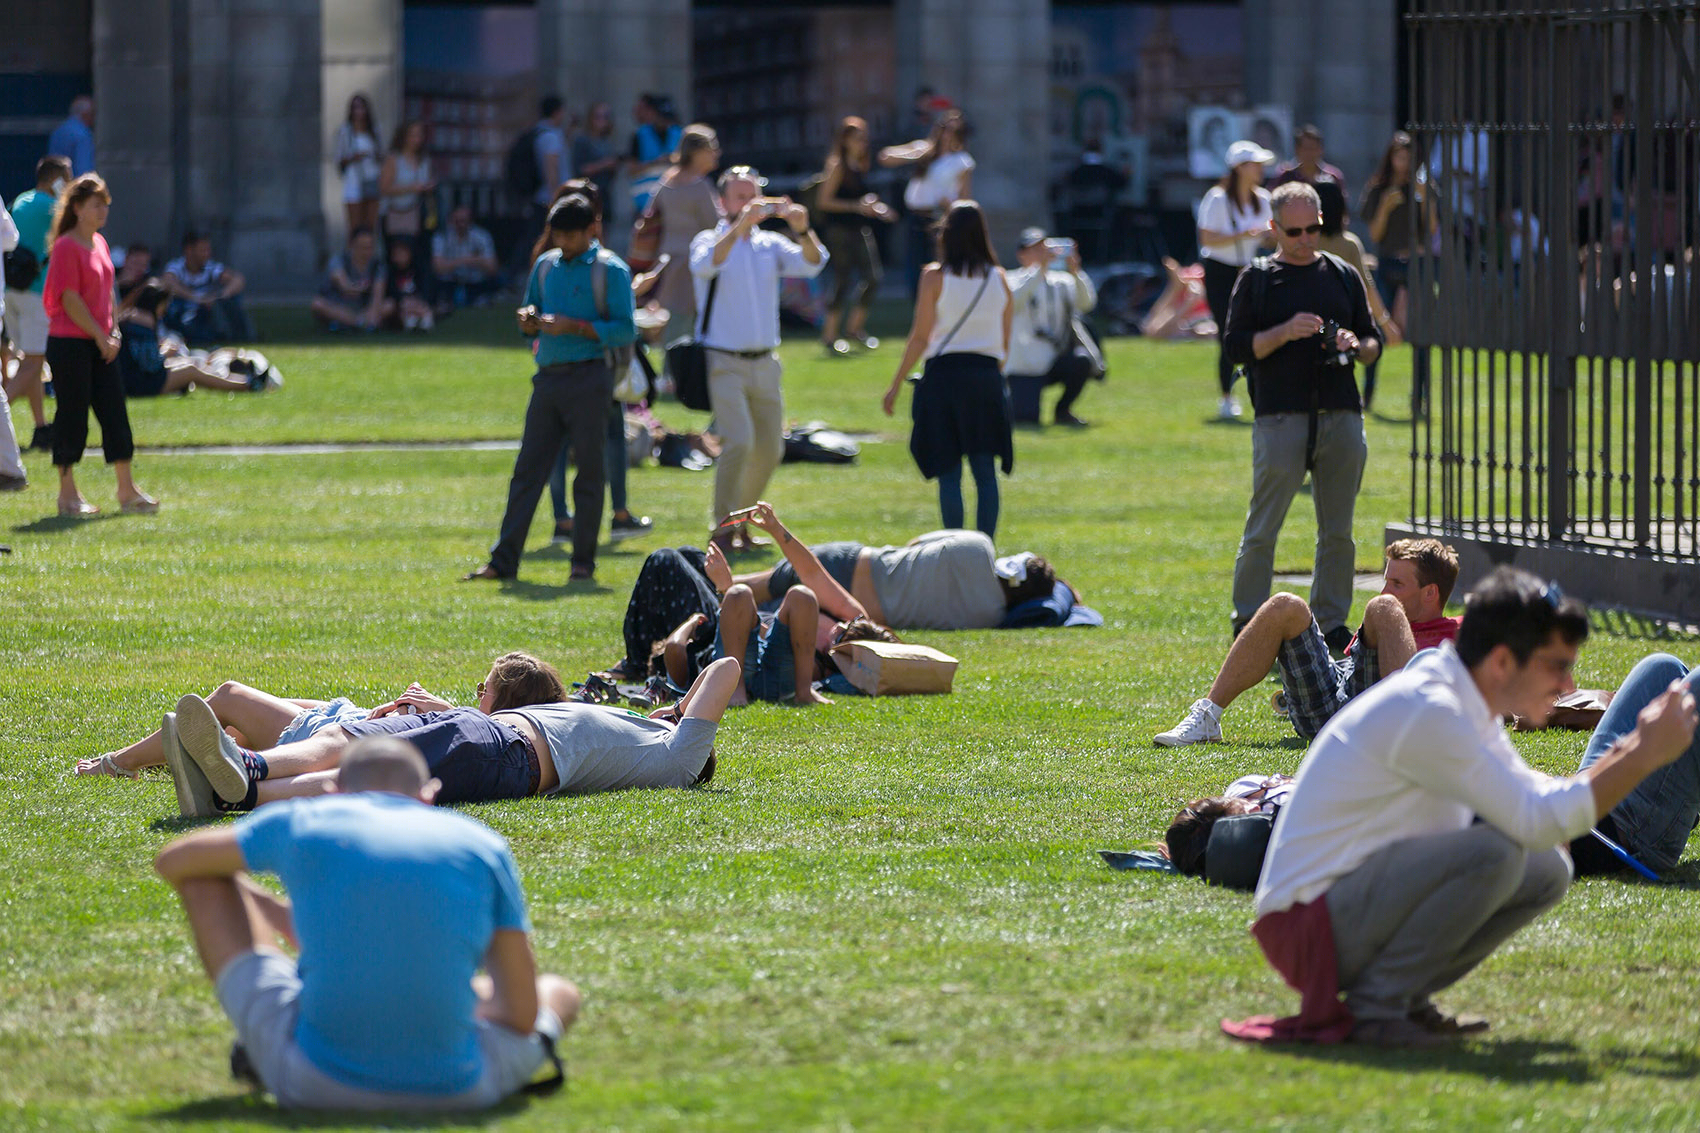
[1379, 882]
[743, 263]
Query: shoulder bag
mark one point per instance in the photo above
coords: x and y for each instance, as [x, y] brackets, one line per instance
[687, 358]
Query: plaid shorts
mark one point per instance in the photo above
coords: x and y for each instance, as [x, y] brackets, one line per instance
[1317, 685]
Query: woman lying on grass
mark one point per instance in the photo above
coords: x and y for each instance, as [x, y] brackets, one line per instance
[257, 719]
[475, 754]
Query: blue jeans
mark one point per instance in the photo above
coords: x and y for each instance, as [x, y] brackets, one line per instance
[983, 465]
[1655, 819]
[613, 468]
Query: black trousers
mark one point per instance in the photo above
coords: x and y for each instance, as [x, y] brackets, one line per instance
[670, 588]
[567, 402]
[1218, 288]
[83, 381]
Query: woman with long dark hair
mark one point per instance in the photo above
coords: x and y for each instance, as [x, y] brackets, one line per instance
[82, 347]
[846, 207]
[1233, 227]
[1400, 221]
[357, 148]
[961, 327]
[406, 182]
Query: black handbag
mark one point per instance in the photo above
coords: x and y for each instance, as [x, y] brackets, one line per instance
[22, 268]
[687, 359]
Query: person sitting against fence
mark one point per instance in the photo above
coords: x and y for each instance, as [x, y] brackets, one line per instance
[1406, 616]
[258, 720]
[783, 652]
[206, 296]
[393, 907]
[463, 258]
[353, 295]
[404, 291]
[534, 749]
[149, 367]
[1045, 300]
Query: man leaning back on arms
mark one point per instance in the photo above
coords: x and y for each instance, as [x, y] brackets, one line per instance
[1379, 884]
[394, 905]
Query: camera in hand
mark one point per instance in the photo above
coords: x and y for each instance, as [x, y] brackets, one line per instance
[1332, 355]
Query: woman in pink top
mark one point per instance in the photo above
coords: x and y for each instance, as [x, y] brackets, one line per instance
[82, 347]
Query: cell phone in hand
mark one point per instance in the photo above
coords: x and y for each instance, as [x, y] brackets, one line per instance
[742, 515]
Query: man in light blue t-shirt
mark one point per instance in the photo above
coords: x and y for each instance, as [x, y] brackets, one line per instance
[394, 906]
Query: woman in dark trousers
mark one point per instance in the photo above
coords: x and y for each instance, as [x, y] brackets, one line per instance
[1233, 228]
[82, 348]
[846, 208]
[961, 327]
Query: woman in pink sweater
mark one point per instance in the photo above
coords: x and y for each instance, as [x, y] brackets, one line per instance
[82, 347]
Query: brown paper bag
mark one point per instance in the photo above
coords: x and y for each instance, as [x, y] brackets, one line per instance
[883, 668]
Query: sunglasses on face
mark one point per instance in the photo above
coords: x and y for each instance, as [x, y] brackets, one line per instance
[1308, 230]
[482, 688]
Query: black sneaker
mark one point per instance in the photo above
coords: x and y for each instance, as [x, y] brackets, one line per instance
[1069, 420]
[1338, 638]
[629, 527]
[242, 1067]
[42, 439]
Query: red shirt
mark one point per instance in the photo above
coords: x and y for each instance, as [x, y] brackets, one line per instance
[1431, 634]
[86, 271]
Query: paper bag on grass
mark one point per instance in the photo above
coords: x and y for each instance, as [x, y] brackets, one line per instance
[883, 668]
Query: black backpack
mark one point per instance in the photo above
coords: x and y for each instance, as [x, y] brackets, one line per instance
[22, 268]
[522, 173]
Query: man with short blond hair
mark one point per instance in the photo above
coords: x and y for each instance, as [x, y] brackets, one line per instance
[1406, 616]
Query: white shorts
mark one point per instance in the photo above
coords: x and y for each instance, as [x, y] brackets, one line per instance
[26, 321]
[261, 992]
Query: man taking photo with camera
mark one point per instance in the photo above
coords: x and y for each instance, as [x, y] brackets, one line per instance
[1297, 322]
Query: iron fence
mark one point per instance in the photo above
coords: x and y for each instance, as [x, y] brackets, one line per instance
[1555, 308]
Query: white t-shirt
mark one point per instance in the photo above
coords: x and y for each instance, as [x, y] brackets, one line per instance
[1420, 753]
[1216, 213]
[936, 188]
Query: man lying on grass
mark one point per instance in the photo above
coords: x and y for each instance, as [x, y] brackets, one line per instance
[1379, 883]
[536, 749]
[259, 719]
[783, 652]
[1406, 616]
[394, 907]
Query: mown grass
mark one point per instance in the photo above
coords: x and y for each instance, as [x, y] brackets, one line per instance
[885, 914]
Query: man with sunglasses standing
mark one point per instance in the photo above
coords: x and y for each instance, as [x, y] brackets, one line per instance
[1297, 321]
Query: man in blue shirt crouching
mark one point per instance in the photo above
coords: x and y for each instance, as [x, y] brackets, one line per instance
[574, 383]
[393, 905]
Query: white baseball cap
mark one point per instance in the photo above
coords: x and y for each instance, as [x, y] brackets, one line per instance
[1243, 151]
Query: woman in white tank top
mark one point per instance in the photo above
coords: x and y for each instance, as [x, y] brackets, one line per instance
[960, 408]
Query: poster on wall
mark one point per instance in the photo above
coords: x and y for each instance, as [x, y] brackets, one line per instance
[1212, 129]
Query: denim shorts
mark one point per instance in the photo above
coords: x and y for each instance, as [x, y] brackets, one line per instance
[1318, 686]
[770, 670]
[261, 993]
[476, 758]
[310, 721]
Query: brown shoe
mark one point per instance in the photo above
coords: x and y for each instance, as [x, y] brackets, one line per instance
[1437, 1022]
[1395, 1034]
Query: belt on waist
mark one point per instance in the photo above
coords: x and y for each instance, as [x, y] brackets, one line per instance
[740, 353]
[555, 367]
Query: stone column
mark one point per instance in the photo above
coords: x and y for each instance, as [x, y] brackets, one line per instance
[591, 49]
[991, 57]
[362, 53]
[136, 61]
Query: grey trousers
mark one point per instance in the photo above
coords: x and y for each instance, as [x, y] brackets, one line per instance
[569, 401]
[1277, 471]
[749, 413]
[1419, 914]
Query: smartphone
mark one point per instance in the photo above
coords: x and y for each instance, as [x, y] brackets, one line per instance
[662, 261]
[742, 515]
[1061, 249]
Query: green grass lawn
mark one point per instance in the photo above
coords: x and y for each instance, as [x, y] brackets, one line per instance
[884, 914]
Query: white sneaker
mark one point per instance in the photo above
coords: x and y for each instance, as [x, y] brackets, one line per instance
[1202, 724]
[1228, 409]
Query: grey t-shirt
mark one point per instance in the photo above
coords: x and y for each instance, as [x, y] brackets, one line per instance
[943, 580]
[597, 748]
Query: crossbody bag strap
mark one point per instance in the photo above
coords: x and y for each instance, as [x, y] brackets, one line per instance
[552, 1084]
[708, 307]
[965, 314]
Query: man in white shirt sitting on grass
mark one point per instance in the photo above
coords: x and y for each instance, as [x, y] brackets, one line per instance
[1379, 884]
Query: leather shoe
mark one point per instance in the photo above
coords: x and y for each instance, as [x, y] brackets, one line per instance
[1437, 1022]
[1395, 1034]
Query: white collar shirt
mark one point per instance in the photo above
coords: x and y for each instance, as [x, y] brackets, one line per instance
[746, 304]
[1042, 300]
[1420, 753]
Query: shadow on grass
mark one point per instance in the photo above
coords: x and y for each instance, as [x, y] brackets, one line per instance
[1514, 1060]
[253, 1107]
[1235, 422]
[182, 823]
[49, 524]
[548, 592]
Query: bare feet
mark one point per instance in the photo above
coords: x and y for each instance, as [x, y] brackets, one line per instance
[810, 699]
